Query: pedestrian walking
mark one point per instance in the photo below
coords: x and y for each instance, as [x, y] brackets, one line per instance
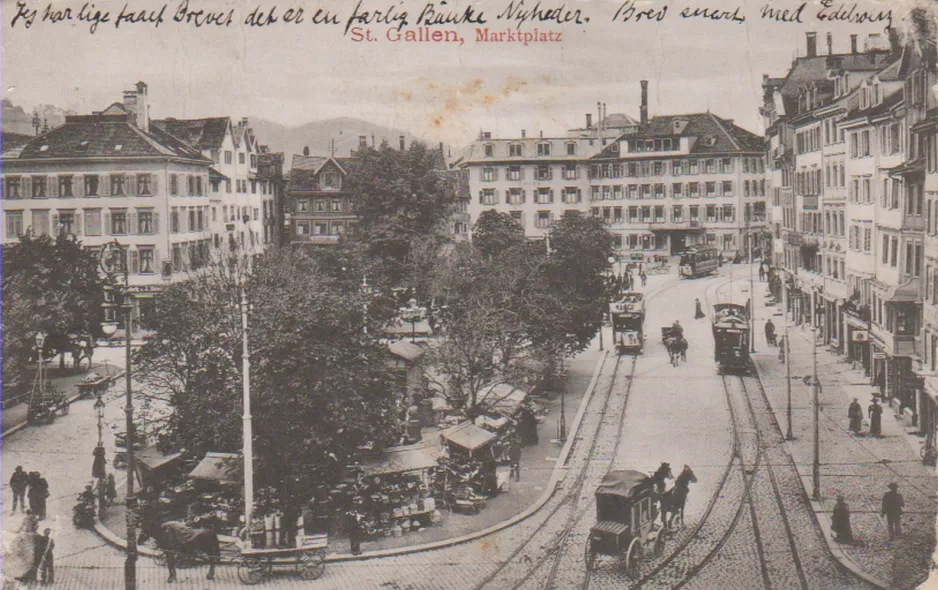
[881, 383]
[42, 561]
[875, 412]
[98, 467]
[42, 495]
[514, 455]
[18, 483]
[33, 493]
[30, 524]
[855, 413]
[840, 522]
[782, 347]
[353, 521]
[770, 332]
[644, 278]
[698, 310]
[893, 503]
[761, 273]
[111, 491]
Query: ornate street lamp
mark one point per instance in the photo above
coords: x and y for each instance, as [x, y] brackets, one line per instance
[413, 314]
[99, 450]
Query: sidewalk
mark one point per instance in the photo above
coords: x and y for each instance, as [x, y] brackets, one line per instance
[107, 361]
[857, 467]
[537, 467]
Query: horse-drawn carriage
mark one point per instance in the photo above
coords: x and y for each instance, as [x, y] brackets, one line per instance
[626, 510]
[628, 320]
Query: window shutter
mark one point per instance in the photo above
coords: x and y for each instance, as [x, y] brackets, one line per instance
[524, 196]
[495, 177]
[131, 222]
[104, 185]
[550, 173]
[134, 262]
[521, 172]
[52, 186]
[507, 197]
[130, 185]
[551, 195]
[78, 185]
[77, 223]
[107, 223]
[156, 226]
[579, 195]
[157, 263]
[154, 186]
[26, 190]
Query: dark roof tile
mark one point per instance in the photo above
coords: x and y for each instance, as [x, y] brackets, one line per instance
[204, 134]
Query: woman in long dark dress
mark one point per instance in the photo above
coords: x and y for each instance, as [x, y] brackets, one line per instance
[698, 310]
[876, 418]
[855, 413]
[840, 522]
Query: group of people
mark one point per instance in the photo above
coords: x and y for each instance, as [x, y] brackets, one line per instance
[34, 488]
[628, 281]
[892, 507]
[875, 413]
[31, 486]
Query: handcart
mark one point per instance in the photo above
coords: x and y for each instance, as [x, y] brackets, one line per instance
[309, 560]
[44, 405]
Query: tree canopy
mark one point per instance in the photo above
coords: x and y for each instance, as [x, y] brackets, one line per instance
[319, 386]
[50, 285]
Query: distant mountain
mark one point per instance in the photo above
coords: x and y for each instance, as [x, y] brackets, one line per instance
[318, 135]
[16, 119]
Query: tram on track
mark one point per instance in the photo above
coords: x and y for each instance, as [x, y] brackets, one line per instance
[628, 322]
[699, 261]
[731, 338]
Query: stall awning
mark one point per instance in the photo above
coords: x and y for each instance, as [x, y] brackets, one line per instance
[468, 436]
[400, 460]
[220, 467]
[407, 350]
[402, 328]
[152, 459]
[504, 399]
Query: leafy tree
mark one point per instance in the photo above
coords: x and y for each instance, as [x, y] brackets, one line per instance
[319, 386]
[403, 199]
[51, 285]
[496, 232]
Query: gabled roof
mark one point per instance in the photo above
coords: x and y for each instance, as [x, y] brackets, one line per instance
[98, 136]
[885, 106]
[204, 134]
[726, 136]
[316, 163]
[9, 140]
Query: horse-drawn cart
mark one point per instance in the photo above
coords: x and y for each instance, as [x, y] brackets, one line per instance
[45, 404]
[93, 385]
[626, 509]
[309, 560]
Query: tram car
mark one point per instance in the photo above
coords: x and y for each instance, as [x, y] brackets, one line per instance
[731, 338]
[628, 319]
[699, 261]
[626, 509]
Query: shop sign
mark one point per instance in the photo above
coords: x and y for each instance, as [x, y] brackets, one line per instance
[879, 356]
[861, 336]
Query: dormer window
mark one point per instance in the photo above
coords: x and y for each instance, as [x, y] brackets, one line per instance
[543, 149]
[118, 147]
[515, 149]
[489, 150]
[83, 145]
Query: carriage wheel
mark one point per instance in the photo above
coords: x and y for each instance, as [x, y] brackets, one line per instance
[251, 570]
[160, 559]
[589, 556]
[633, 558]
[658, 549]
[311, 565]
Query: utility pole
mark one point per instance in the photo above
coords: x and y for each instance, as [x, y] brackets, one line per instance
[752, 293]
[815, 392]
[787, 353]
[248, 433]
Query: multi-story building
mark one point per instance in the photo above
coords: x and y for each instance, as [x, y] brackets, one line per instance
[661, 184]
[871, 290]
[319, 206]
[242, 201]
[113, 176]
[270, 175]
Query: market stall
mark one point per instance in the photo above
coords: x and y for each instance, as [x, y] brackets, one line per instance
[472, 466]
[394, 490]
[154, 467]
[216, 492]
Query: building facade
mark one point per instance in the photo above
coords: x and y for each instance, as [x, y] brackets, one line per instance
[660, 184]
[113, 176]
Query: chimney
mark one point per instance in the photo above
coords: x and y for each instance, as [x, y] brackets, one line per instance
[812, 43]
[643, 113]
[401, 139]
[830, 44]
[523, 134]
[306, 150]
[362, 142]
[589, 120]
[853, 44]
[441, 147]
[542, 134]
[130, 105]
[244, 121]
[143, 111]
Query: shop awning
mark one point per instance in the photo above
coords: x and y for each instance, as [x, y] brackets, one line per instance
[400, 460]
[153, 460]
[905, 293]
[402, 328]
[468, 436]
[219, 467]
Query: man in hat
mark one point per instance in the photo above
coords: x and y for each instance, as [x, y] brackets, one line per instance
[855, 413]
[18, 483]
[892, 510]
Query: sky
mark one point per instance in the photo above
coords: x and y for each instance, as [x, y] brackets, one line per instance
[294, 73]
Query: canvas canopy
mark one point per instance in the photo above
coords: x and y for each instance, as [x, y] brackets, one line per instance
[624, 483]
[400, 460]
[504, 399]
[218, 467]
[468, 436]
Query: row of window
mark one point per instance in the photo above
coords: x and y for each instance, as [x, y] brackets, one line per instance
[571, 195]
[658, 213]
[914, 255]
[229, 159]
[183, 219]
[87, 185]
[87, 222]
[860, 239]
[319, 205]
[194, 255]
[808, 140]
[543, 148]
[243, 213]
[320, 228]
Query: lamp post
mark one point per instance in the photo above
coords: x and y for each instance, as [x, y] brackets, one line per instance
[752, 293]
[99, 414]
[248, 430]
[113, 261]
[787, 353]
[815, 392]
[413, 314]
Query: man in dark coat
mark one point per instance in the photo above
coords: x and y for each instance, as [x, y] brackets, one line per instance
[855, 413]
[42, 494]
[840, 522]
[98, 467]
[18, 483]
[514, 455]
[698, 311]
[876, 418]
[893, 503]
[353, 522]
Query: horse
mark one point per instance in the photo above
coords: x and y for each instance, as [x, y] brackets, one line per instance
[673, 501]
[175, 538]
[659, 476]
[677, 349]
